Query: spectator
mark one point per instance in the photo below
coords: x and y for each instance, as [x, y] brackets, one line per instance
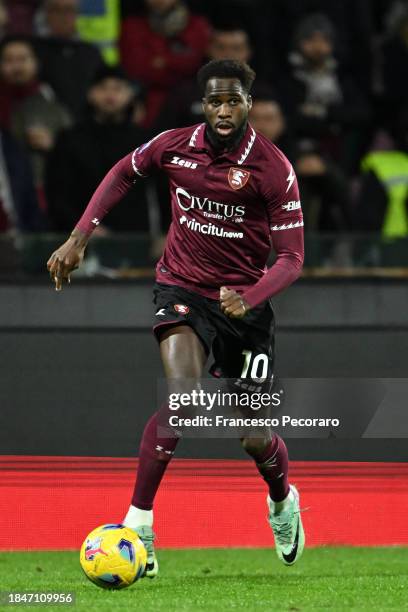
[17, 72]
[324, 190]
[184, 103]
[18, 204]
[267, 117]
[68, 64]
[21, 16]
[322, 185]
[85, 153]
[250, 16]
[395, 69]
[99, 24]
[4, 19]
[324, 104]
[229, 42]
[28, 106]
[382, 205]
[354, 21]
[162, 48]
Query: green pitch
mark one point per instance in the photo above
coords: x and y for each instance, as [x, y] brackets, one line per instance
[233, 579]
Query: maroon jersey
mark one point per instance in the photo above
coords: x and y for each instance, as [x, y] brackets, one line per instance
[228, 210]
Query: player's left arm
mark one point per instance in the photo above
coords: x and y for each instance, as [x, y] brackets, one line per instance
[286, 224]
[289, 249]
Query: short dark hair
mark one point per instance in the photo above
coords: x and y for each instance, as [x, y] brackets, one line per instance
[226, 69]
[222, 27]
[18, 39]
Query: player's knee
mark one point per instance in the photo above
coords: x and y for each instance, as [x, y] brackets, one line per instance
[254, 446]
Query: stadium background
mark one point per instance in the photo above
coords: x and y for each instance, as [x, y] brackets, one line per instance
[79, 369]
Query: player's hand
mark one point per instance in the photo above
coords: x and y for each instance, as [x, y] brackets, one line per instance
[232, 303]
[40, 138]
[67, 258]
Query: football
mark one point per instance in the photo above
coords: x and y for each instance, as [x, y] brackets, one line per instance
[113, 556]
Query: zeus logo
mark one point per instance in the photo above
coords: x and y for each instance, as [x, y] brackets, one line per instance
[188, 202]
[290, 179]
[184, 162]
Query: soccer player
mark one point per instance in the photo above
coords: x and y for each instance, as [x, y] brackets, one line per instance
[233, 194]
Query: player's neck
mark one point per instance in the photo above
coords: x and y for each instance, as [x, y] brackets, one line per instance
[225, 145]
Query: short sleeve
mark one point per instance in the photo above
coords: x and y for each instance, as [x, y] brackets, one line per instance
[148, 156]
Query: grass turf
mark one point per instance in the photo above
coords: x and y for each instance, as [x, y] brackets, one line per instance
[227, 579]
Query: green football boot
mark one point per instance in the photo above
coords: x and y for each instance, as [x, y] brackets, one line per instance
[287, 529]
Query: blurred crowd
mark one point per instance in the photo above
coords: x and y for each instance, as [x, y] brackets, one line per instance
[83, 82]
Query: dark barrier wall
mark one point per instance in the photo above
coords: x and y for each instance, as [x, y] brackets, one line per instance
[86, 304]
[72, 390]
[90, 393]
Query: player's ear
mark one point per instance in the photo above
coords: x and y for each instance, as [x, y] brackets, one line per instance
[203, 103]
[249, 100]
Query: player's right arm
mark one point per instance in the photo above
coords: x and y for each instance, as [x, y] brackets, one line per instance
[69, 255]
[112, 189]
[286, 220]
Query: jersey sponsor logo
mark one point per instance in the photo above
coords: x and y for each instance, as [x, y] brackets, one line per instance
[293, 205]
[178, 161]
[181, 309]
[189, 202]
[290, 179]
[285, 226]
[208, 229]
[238, 178]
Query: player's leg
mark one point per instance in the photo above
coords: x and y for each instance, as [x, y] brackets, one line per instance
[244, 350]
[271, 458]
[183, 356]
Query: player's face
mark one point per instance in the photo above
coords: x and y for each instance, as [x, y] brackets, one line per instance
[226, 106]
[18, 65]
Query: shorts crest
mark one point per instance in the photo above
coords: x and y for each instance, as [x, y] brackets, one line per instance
[181, 309]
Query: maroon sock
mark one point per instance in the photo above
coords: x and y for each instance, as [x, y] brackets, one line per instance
[154, 456]
[273, 466]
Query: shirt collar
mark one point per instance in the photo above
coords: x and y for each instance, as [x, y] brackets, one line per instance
[237, 156]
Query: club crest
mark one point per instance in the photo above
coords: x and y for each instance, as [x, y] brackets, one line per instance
[238, 178]
[181, 309]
